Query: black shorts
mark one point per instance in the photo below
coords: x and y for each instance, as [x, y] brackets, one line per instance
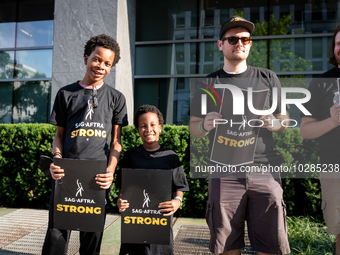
[255, 200]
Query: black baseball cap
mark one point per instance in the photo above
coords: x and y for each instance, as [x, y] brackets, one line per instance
[236, 21]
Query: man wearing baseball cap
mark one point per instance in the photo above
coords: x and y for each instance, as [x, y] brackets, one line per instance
[252, 197]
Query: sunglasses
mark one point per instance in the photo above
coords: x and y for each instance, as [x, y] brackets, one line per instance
[233, 40]
[94, 96]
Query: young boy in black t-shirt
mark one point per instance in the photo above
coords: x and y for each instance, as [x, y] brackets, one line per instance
[151, 155]
[89, 115]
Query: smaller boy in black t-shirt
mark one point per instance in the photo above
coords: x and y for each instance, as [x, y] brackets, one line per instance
[151, 155]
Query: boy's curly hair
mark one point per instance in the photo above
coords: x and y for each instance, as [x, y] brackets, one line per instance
[145, 109]
[105, 41]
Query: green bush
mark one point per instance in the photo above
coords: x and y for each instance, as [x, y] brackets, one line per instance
[302, 196]
[22, 183]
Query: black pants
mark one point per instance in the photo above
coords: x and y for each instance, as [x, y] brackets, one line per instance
[56, 240]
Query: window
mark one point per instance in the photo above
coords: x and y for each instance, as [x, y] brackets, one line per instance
[26, 45]
[294, 42]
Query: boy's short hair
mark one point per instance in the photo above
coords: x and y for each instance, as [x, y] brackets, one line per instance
[105, 41]
[145, 109]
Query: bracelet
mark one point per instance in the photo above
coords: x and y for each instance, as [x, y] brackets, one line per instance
[203, 127]
[57, 154]
[180, 199]
[199, 128]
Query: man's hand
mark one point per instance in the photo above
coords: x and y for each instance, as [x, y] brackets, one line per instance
[56, 172]
[169, 207]
[335, 114]
[104, 180]
[122, 204]
[270, 122]
[209, 120]
[273, 122]
[198, 130]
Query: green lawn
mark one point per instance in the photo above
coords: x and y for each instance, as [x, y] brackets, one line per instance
[307, 237]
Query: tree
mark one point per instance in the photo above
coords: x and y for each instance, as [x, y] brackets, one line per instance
[280, 58]
[31, 97]
[6, 72]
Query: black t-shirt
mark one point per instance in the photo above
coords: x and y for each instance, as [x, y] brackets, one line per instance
[258, 79]
[162, 158]
[88, 129]
[323, 89]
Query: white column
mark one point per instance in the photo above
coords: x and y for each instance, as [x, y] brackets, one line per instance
[126, 16]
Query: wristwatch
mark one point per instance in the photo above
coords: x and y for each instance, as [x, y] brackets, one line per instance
[180, 199]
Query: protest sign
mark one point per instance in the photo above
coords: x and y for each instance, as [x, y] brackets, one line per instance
[79, 202]
[142, 222]
[236, 135]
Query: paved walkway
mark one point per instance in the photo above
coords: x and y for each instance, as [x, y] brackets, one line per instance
[22, 231]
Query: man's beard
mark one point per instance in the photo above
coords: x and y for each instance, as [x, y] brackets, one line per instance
[337, 59]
